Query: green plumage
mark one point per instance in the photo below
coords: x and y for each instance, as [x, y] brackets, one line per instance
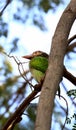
[39, 63]
[38, 66]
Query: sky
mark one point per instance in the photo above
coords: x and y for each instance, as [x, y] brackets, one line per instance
[34, 39]
[31, 37]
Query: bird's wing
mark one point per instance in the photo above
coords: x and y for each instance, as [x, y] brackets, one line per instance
[39, 63]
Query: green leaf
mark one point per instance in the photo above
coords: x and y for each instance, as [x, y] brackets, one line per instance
[8, 67]
[72, 93]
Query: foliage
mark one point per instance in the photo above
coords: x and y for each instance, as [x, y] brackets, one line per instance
[74, 127]
[72, 93]
[14, 87]
[69, 121]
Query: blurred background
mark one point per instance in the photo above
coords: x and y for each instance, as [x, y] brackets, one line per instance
[27, 26]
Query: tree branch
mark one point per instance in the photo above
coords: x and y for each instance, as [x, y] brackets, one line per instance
[18, 113]
[69, 76]
[71, 39]
[55, 68]
[71, 47]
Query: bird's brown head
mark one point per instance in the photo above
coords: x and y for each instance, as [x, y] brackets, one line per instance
[36, 53]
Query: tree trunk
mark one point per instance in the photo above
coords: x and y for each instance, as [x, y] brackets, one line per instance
[55, 68]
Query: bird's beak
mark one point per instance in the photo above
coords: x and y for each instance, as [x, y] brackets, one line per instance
[34, 54]
[28, 56]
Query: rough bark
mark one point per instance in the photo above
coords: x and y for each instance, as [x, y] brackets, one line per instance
[55, 68]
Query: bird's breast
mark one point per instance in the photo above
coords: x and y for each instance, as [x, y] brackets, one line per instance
[38, 75]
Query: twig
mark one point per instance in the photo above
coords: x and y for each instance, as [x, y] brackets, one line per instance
[66, 109]
[19, 64]
[69, 76]
[7, 3]
[71, 47]
[71, 39]
[22, 74]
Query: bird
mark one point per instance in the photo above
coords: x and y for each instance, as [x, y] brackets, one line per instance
[38, 64]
